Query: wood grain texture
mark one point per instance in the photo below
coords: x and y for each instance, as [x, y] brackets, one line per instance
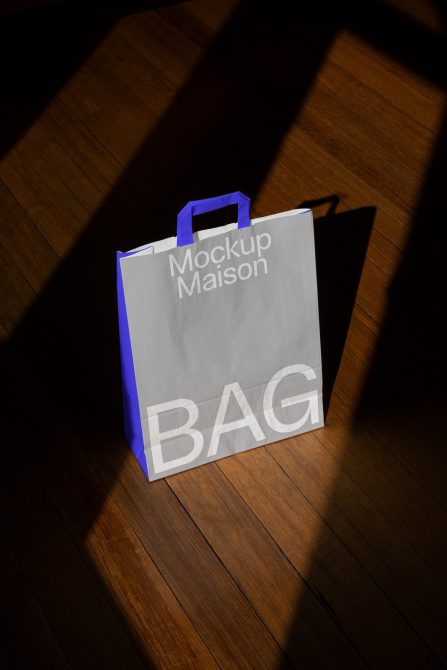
[323, 551]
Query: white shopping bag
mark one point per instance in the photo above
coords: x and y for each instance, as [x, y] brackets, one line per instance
[219, 335]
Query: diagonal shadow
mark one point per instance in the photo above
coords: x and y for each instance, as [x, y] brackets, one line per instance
[217, 136]
[413, 340]
[221, 134]
[341, 241]
[41, 48]
[400, 540]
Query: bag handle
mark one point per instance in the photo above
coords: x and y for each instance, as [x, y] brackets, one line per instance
[184, 217]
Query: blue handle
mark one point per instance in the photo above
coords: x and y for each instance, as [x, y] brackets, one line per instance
[184, 218]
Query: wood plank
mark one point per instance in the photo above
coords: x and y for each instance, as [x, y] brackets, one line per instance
[419, 99]
[208, 593]
[24, 243]
[324, 551]
[120, 609]
[321, 557]
[16, 294]
[379, 473]
[409, 439]
[36, 198]
[68, 592]
[268, 579]
[370, 526]
[27, 638]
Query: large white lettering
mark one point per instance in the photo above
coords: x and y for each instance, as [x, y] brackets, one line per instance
[249, 420]
[188, 270]
[311, 397]
[187, 261]
[156, 437]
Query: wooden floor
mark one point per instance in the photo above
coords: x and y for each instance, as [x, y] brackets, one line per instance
[324, 551]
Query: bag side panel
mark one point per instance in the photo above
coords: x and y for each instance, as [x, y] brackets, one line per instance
[132, 422]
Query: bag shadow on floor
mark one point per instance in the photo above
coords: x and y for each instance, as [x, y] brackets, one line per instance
[341, 241]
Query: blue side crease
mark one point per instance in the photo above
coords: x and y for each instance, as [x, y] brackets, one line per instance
[131, 406]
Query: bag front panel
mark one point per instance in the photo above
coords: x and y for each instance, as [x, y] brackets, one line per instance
[211, 324]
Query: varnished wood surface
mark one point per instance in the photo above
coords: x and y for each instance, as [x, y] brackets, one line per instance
[324, 551]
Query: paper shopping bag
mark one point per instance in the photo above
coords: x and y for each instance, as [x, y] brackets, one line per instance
[219, 337]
